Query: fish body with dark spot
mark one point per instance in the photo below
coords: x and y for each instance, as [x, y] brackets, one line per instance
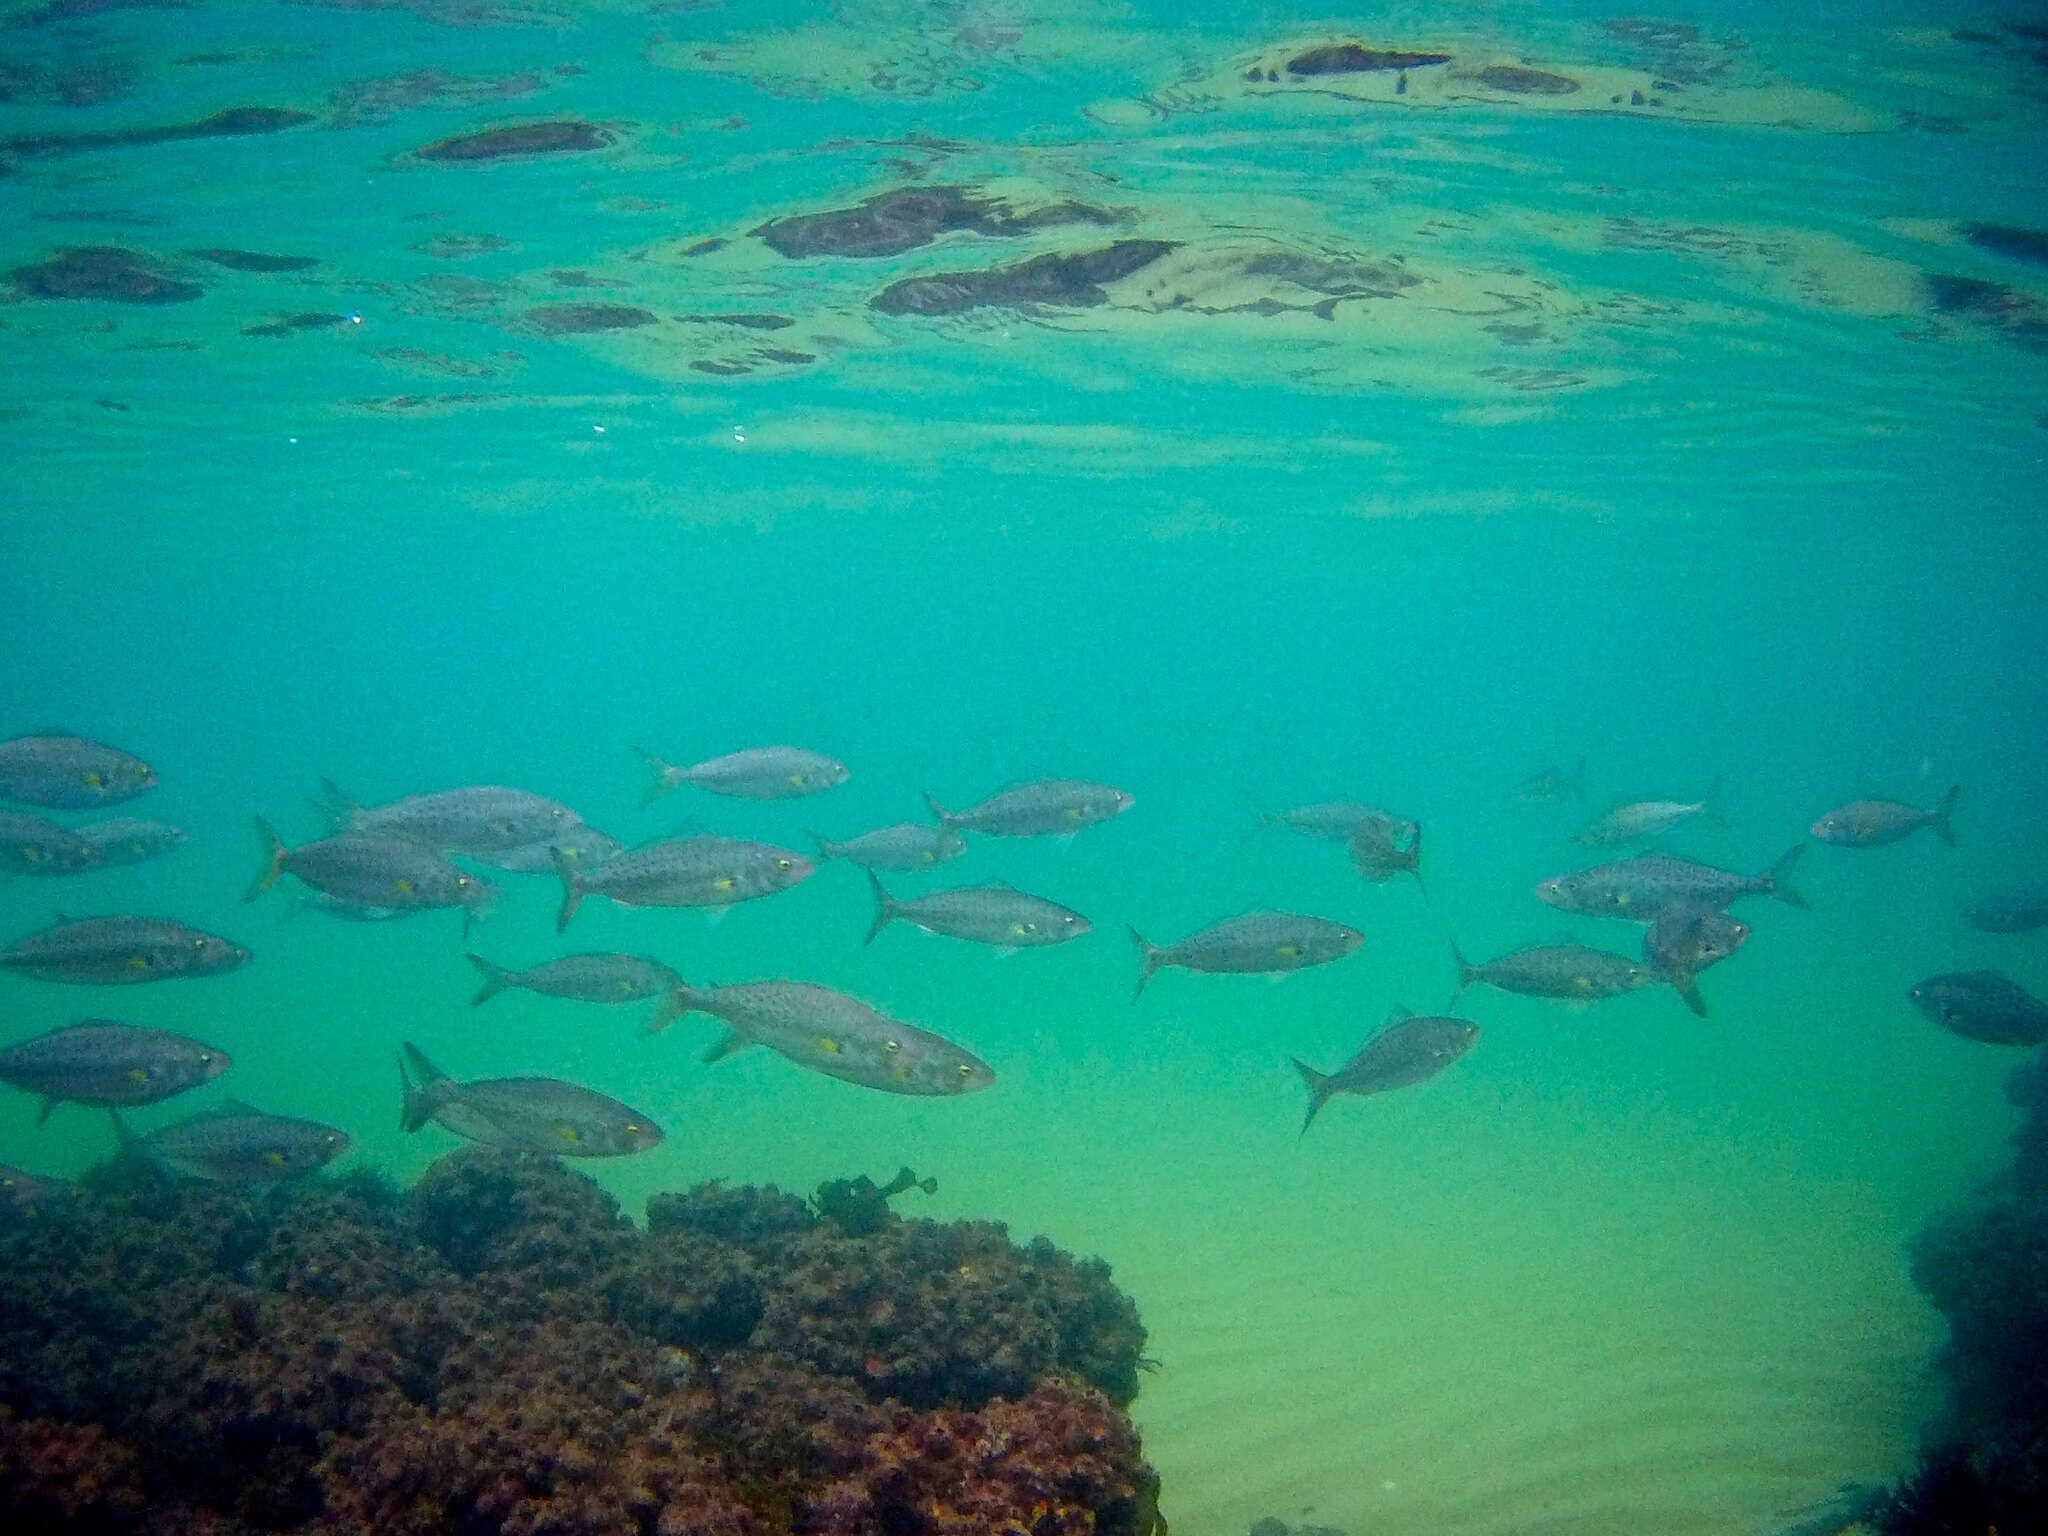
[587, 978]
[1251, 944]
[1000, 916]
[1873, 823]
[1041, 808]
[1573, 972]
[2018, 910]
[117, 951]
[840, 1036]
[1643, 889]
[239, 1145]
[1687, 940]
[69, 773]
[29, 845]
[712, 872]
[368, 869]
[1404, 1051]
[107, 1064]
[757, 773]
[906, 847]
[483, 821]
[1339, 821]
[522, 1114]
[1988, 1006]
[126, 840]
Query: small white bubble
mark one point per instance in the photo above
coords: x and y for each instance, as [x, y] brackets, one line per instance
[597, 429]
[354, 319]
[293, 441]
[739, 434]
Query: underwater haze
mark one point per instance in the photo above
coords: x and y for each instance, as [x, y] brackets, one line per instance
[1245, 407]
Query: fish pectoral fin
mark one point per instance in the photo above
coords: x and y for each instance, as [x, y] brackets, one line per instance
[733, 1041]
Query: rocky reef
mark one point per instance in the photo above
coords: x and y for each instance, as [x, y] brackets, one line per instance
[500, 1350]
[1985, 1267]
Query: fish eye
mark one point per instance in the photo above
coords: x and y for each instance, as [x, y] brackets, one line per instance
[199, 943]
[462, 882]
[964, 1070]
[205, 1058]
[782, 864]
[892, 1045]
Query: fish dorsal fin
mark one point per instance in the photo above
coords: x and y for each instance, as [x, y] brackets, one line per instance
[228, 1109]
[1398, 1014]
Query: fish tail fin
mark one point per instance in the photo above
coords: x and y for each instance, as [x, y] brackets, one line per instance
[572, 888]
[1688, 987]
[666, 777]
[1712, 806]
[945, 818]
[1415, 862]
[336, 805]
[1320, 1086]
[1779, 874]
[273, 860]
[1466, 974]
[496, 979]
[1148, 961]
[826, 849]
[1944, 824]
[419, 1101]
[676, 1002]
[885, 908]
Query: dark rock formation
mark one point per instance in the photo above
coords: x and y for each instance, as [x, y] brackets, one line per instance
[890, 223]
[233, 123]
[499, 1350]
[555, 138]
[102, 272]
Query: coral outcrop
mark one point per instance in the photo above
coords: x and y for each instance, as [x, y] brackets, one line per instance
[501, 1350]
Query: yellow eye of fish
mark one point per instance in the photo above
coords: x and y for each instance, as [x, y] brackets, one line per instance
[199, 943]
[892, 1045]
[964, 1070]
[632, 1130]
[462, 882]
[782, 864]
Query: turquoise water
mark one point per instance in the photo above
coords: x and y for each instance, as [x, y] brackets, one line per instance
[1642, 435]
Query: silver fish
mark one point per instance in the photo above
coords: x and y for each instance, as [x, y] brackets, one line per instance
[758, 773]
[114, 951]
[29, 845]
[1253, 943]
[109, 1065]
[714, 872]
[1042, 808]
[527, 1114]
[1553, 785]
[239, 1145]
[2019, 910]
[69, 772]
[1872, 823]
[1377, 858]
[1644, 889]
[997, 915]
[1983, 1005]
[370, 869]
[1685, 941]
[837, 1035]
[125, 840]
[1640, 820]
[590, 978]
[1569, 971]
[1404, 1051]
[909, 845]
[579, 844]
[481, 820]
[1339, 821]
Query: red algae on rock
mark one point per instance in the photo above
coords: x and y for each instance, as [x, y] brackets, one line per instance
[500, 1350]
